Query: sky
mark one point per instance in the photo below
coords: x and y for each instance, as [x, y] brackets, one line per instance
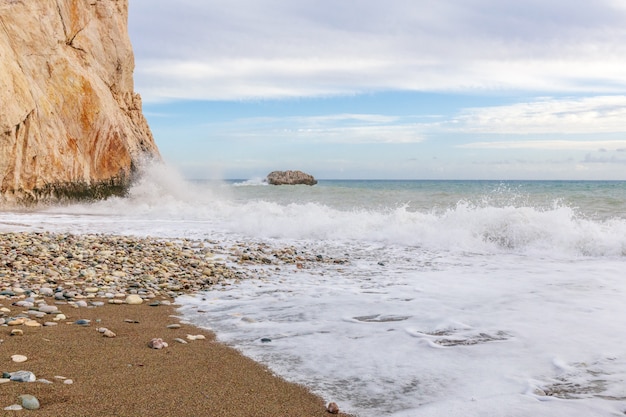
[394, 89]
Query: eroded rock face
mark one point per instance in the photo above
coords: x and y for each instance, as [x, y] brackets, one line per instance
[290, 178]
[71, 124]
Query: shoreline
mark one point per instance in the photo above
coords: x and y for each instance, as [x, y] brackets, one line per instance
[88, 277]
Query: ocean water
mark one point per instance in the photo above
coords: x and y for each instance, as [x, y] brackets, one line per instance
[452, 298]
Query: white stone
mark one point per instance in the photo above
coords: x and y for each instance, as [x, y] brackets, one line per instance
[19, 358]
[134, 299]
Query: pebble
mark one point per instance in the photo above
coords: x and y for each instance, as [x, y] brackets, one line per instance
[173, 326]
[196, 337]
[23, 376]
[4, 380]
[47, 292]
[68, 381]
[333, 408]
[17, 332]
[182, 341]
[14, 407]
[157, 343]
[29, 402]
[82, 322]
[19, 358]
[134, 299]
[105, 332]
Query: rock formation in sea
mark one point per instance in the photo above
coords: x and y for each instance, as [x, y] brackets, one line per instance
[71, 124]
[290, 178]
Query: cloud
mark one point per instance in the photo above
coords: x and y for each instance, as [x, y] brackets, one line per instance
[582, 145]
[248, 49]
[600, 114]
[332, 128]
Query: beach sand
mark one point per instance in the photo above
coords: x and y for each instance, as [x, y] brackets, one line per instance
[122, 375]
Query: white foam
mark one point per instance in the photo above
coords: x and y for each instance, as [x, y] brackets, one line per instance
[435, 334]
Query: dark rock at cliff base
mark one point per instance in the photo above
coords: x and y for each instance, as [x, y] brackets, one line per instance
[290, 178]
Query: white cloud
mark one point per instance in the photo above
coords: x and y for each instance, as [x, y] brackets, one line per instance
[600, 114]
[582, 145]
[333, 128]
[274, 49]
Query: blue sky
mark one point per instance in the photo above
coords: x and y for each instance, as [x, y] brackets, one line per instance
[406, 89]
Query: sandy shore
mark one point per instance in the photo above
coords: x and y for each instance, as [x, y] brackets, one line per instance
[121, 375]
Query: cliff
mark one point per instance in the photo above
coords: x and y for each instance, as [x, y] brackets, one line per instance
[71, 124]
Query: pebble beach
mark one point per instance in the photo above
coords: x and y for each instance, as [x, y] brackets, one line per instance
[88, 326]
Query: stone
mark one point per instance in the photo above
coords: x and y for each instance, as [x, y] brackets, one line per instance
[17, 332]
[181, 341]
[195, 337]
[332, 408]
[29, 402]
[48, 292]
[13, 407]
[105, 332]
[157, 343]
[23, 376]
[68, 381]
[290, 178]
[60, 317]
[71, 125]
[108, 333]
[19, 358]
[83, 322]
[32, 323]
[4, 380]
[173, 326]
[134, 299]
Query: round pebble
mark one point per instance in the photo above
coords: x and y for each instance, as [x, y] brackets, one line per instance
[134, 299]
[29, 402]
[19, 358]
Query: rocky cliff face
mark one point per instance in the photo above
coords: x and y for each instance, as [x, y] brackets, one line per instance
[70, 122]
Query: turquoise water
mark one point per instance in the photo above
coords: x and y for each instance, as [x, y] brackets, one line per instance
[596, 199]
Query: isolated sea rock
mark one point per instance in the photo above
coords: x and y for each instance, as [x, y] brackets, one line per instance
[71, 125]
[290, 178]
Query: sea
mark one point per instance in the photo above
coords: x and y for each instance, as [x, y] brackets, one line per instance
[452, 298]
